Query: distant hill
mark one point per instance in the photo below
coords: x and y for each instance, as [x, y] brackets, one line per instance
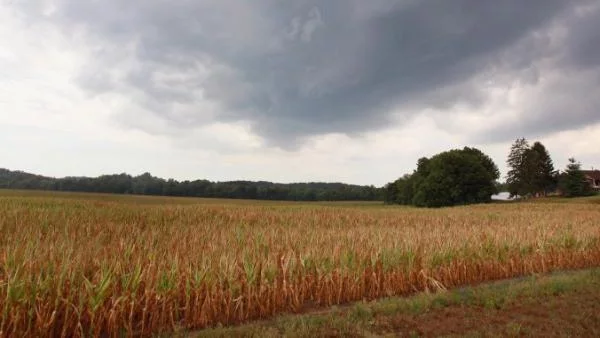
[147, 184]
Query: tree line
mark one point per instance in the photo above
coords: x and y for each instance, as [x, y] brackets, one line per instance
[532, 174]
[147, 184]
[468, 176]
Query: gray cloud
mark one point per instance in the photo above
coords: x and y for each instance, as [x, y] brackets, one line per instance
[303, 68]
[569, 96]
[582, 48]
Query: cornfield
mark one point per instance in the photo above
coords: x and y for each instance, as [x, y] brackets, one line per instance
[102, 266]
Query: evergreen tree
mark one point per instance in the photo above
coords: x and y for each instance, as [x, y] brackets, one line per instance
[517, 180]
[572, 182]
[541, 169]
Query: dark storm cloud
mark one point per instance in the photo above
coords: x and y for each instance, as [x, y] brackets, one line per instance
[300, 68]
[583, 43]
[570, 97]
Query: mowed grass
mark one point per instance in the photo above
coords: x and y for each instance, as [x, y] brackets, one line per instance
[91, 265]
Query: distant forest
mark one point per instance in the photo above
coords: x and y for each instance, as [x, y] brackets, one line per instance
[147, 184]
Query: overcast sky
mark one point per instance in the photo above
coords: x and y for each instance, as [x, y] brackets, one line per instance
[305, 90]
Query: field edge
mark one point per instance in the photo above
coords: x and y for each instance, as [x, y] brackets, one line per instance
[371, 318]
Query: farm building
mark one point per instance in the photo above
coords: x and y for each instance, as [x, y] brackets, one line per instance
[593, 177]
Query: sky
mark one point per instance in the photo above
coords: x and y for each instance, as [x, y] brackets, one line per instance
[292, 91]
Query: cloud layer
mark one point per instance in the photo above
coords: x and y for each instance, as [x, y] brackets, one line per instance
[353, 91]
[290, 71]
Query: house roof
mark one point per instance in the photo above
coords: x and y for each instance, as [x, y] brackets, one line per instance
[594, 174]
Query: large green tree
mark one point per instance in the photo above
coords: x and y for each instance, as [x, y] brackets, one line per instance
[485, 160]
[455, 177]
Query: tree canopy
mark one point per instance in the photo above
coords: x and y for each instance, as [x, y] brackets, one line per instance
[455, 177]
